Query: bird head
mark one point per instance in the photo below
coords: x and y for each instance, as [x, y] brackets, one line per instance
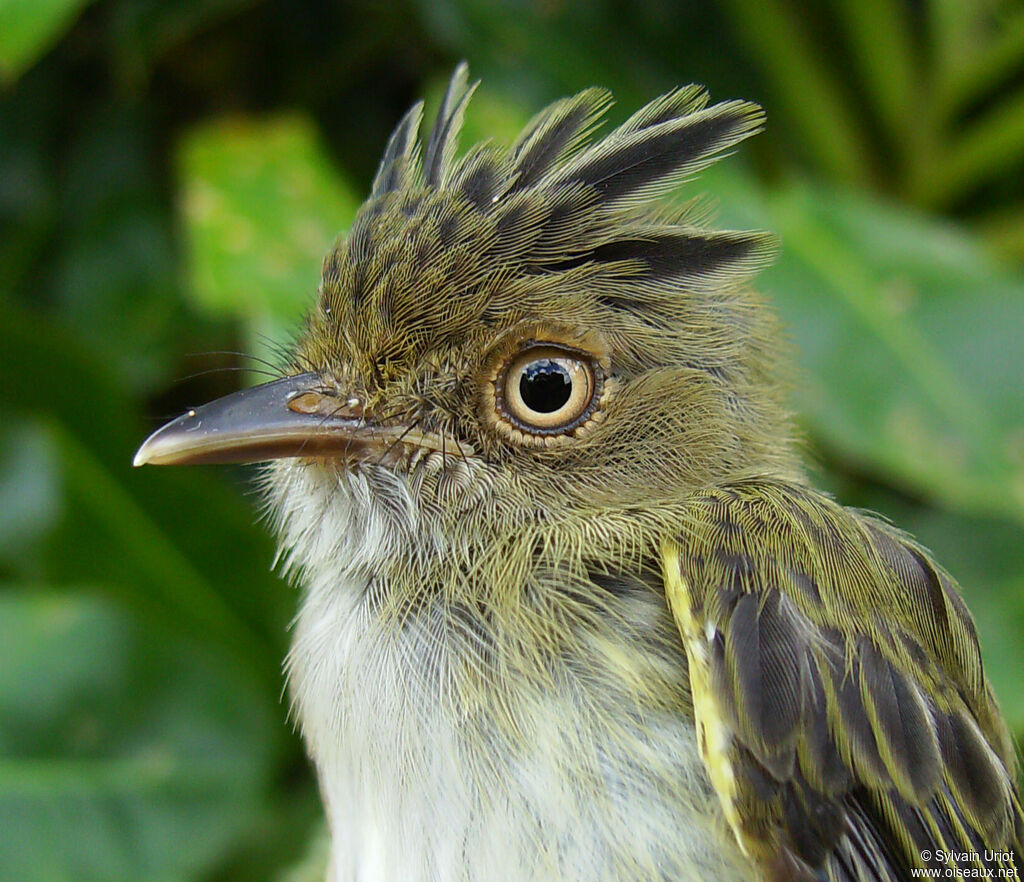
[516, 339]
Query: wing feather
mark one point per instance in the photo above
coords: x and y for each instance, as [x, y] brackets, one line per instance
[839, 697]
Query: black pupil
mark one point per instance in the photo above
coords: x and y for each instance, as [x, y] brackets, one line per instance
[545, 386]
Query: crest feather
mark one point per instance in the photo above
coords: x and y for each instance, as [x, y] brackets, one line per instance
[399, 162]
[671, 105]
[635, 163]
[671, 138]
[555, 133]
[561, 200]
[441, 144]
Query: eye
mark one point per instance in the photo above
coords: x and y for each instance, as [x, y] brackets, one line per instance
[547, 390]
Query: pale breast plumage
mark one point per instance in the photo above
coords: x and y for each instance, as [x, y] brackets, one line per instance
[418, 788]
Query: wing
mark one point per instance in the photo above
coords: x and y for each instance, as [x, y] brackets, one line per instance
[840, 702]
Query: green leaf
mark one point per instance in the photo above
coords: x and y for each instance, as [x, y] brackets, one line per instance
[880, 36]
[916, 364]
[806, 85]
[314, 864]
[147, 535]
[114, 277]
[1003, 231]
[993, 58]
[121, 757]
[907, 336]
[262, 204]
[144, 31]
[992, 145]
[30, 489]
[28, 28]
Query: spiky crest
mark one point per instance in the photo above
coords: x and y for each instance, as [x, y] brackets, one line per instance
[671, 138]
[559, 199]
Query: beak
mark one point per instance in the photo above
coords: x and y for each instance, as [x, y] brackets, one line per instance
[295, 416]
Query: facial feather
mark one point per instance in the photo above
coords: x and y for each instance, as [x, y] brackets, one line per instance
[555, 239]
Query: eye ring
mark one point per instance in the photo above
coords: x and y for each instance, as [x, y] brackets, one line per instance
[546, 390]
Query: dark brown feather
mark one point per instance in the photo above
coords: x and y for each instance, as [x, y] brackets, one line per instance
[898, 749]
[396, 163]
[628, 165]
[553, 134]
[440, 148]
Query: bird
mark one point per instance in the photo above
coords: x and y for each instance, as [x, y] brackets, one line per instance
[570, 607]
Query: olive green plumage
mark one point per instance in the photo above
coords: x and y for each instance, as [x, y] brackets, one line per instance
[570, 609]
[833, 664]
[846, 669]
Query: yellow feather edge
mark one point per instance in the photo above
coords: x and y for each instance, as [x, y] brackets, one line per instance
[713, 736]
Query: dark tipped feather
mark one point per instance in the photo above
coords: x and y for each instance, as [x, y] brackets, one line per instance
[479, 179]
[765, 656]
[519, 222]
[820, 758]
[681, 253]
[976, 775]
[441, 144]
[902, 723]
[567, 214]
[856, 726]
[554, 133]
[671, 105]
[927, 585]
[629, 164]
[396, 162]
[815, 824]
[684, 254]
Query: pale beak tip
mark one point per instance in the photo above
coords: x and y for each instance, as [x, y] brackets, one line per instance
[148, 451]
[166, 445]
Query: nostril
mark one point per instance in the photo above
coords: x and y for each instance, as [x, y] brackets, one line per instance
[327, 405]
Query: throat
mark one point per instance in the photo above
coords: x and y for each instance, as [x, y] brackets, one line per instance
[441, 756]
[550, 738]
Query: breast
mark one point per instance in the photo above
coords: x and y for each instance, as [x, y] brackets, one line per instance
[429, 773]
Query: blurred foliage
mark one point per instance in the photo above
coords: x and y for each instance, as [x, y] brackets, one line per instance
[27, 28]
[261, 205]
[171, 173]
